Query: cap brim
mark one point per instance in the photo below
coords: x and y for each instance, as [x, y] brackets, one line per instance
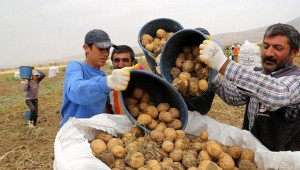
[105, 45]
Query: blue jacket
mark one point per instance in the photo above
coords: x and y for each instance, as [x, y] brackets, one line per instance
[85, 91]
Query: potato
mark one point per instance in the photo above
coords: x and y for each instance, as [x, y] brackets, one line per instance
[185, 75]
[181, 85]
[204, 135]
[180, 134]
[176, 124]
[195, 51]
[144, 119]
[163, 107]
[98, 146]
[147, 36]
[152, 111]
[161, 126]
[225, 161]
[160, 33]
[153, 164]
[145, 97]
[179, 143]
[130, 100]
[118, 151]
[136, 131]
[133, 110]
[119, 164]
[127, 137]
[175, 71]
[145, 42]
[101, 135]
[170, 134]
[106, 157]
[135, 159]
[167, 146]
[203, 85]
[203, 155]
[198, 67]
[175, 112]
[131, 146]
[246, 165]
[165, 116]
[189, 160]
[197, 146]
[194, 86]
[208, 165]
[152, 125]
[142, 106]
[180, 60]
[213, 148]
[157, 136]
[188, 66]
[234, 151]
[150, 47]
[137, 92]
[187, 50]
[114, 142]
[247, 154]
[176, 154]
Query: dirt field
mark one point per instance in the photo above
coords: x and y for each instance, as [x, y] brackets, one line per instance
[24, 148]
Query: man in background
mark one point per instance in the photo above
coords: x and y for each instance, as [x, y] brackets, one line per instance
[31, 87]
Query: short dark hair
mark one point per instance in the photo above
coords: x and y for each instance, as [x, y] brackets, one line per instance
[123, 49]
[285, 30]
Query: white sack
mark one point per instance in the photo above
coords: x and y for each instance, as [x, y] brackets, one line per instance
[17, 75]
[72, 150]
[249, 55]
[53, 71]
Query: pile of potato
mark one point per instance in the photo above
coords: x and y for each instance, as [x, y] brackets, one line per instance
[147, 114]
[156, 43]
[189, 73]
[169, 149]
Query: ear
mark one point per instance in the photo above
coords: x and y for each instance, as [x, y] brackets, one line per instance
[86, 48]
[295, 53]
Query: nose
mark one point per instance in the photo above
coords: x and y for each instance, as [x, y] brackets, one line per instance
[269, 51]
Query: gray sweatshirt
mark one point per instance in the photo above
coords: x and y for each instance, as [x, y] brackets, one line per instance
[32, 86]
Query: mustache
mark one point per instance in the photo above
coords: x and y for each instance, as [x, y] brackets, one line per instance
[270, 58]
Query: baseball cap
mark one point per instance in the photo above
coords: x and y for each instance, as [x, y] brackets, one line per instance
[98, 37]
[35, 73]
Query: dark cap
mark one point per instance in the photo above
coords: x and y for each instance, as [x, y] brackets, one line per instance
[99, 38]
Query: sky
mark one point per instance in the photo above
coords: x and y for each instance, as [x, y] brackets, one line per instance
[39, 30]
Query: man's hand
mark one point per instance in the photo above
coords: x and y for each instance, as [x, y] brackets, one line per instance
[212, 54]
[119, 78]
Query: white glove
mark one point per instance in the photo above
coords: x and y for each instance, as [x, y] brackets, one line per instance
[119, 79]
[212, 54]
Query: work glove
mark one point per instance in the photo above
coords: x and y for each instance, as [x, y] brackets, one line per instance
[119, 78]
[212, 54]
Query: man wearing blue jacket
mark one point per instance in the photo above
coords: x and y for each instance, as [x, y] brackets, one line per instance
[86, 87]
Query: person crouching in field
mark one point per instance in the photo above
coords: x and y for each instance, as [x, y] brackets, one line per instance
[31, 87]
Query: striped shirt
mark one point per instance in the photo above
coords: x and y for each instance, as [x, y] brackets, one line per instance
[274, 93]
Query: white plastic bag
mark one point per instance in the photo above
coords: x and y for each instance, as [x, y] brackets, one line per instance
[72, 150]
[249, 55]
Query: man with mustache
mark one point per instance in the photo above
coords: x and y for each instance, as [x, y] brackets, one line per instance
[271, 93]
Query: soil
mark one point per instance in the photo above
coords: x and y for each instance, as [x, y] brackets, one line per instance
[24, 148]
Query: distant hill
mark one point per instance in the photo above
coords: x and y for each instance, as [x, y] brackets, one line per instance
[253, 35]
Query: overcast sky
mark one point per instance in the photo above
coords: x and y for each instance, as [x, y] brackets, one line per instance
[37, 30]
